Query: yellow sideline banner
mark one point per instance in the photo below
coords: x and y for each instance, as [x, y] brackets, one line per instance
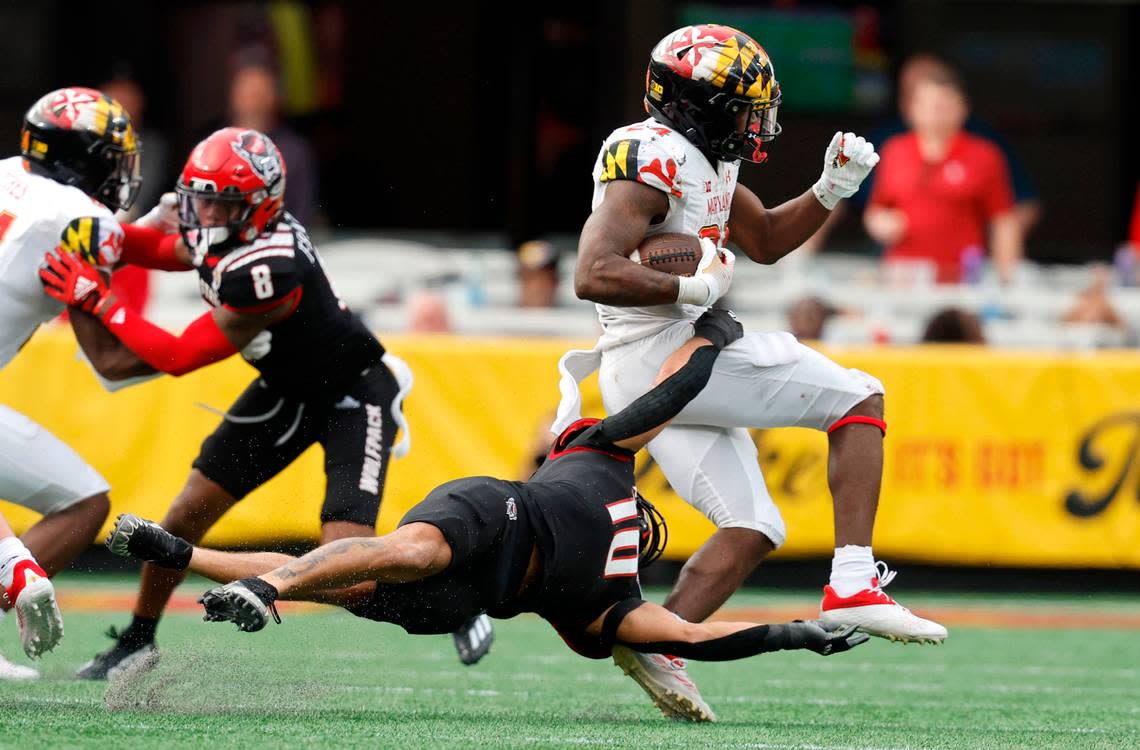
[992, 458]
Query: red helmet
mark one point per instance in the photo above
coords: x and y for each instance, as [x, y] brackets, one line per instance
[231, 190]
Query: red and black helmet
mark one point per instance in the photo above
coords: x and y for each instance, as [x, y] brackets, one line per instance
[84, 138]
[241, 170]
[702, 80]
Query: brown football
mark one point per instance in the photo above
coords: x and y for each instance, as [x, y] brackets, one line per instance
[672, 252]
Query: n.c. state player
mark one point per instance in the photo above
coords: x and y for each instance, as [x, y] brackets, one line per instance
[712, 98]
[78, 164]
[565, 544]
[322, 376]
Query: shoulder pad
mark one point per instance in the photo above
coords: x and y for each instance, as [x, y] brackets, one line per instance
[254, 279]
[96, 239]
[641, 159]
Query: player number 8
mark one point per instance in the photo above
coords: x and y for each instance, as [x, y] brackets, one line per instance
[262, 281]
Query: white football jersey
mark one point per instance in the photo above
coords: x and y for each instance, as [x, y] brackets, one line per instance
[36, 215]
[700, 198]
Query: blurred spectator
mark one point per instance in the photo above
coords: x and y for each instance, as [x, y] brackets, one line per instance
[807, 317]
[938, 188]
[132, 283]
[1093, 307]
[1027, 203]
[538, 274]
[954, 326]
[427, 313]
[255, 102]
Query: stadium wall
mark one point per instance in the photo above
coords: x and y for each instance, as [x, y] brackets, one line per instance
[992, 458]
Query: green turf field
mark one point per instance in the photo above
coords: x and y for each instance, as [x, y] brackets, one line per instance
[325, 679]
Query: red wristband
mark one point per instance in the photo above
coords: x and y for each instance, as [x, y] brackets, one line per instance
[859, 419]
[201, 344]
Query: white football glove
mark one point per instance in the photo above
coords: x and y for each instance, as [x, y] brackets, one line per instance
[847, 162]
[163, 217]
[258, 347]
[712, 279]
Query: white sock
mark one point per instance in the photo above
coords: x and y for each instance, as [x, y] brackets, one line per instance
[852, 569]
[12, 550]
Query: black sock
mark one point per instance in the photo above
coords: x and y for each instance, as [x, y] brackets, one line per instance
[140, 632]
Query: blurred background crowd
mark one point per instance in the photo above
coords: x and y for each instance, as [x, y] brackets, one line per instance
[442, 155]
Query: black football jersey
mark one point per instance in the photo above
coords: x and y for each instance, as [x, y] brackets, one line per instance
[322, 346]
[587, 530]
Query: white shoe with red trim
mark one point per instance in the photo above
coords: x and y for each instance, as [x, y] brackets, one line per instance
[876, 613]
[33, 598]
[667, 682]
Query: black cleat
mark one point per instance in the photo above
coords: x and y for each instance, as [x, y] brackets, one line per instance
[474, 639]
[122, 656]
[146, 540]
[238, 603]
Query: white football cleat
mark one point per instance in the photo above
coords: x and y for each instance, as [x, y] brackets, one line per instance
[875, 613]
[667, 683]
[10, 671]
[33, 597]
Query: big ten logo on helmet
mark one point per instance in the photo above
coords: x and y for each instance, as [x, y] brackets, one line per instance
[262, 158]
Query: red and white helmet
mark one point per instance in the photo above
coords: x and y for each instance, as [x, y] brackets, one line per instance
[231, 190]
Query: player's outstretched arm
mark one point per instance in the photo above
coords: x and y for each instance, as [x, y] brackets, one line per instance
[214, 336]
[410, 553]
[109, 356]
[650, 628]
[681, 377]
[144, 540]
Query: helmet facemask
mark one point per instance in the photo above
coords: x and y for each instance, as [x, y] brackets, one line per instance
[211, 221]
[121, 187]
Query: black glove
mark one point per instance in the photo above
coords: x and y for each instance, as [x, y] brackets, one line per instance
[815, 636]
[718, 326]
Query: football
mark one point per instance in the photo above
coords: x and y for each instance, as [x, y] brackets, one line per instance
[672, 252]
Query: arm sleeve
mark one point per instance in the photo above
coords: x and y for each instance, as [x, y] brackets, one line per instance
[739, 645]
[201, 344]
[662, 403]
[644, 161]
[151, 248]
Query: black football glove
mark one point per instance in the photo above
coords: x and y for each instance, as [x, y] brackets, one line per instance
[718, 326]
[822, 639]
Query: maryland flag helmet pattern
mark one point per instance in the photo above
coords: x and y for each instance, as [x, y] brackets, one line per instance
[82, 137]
[717, 87]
